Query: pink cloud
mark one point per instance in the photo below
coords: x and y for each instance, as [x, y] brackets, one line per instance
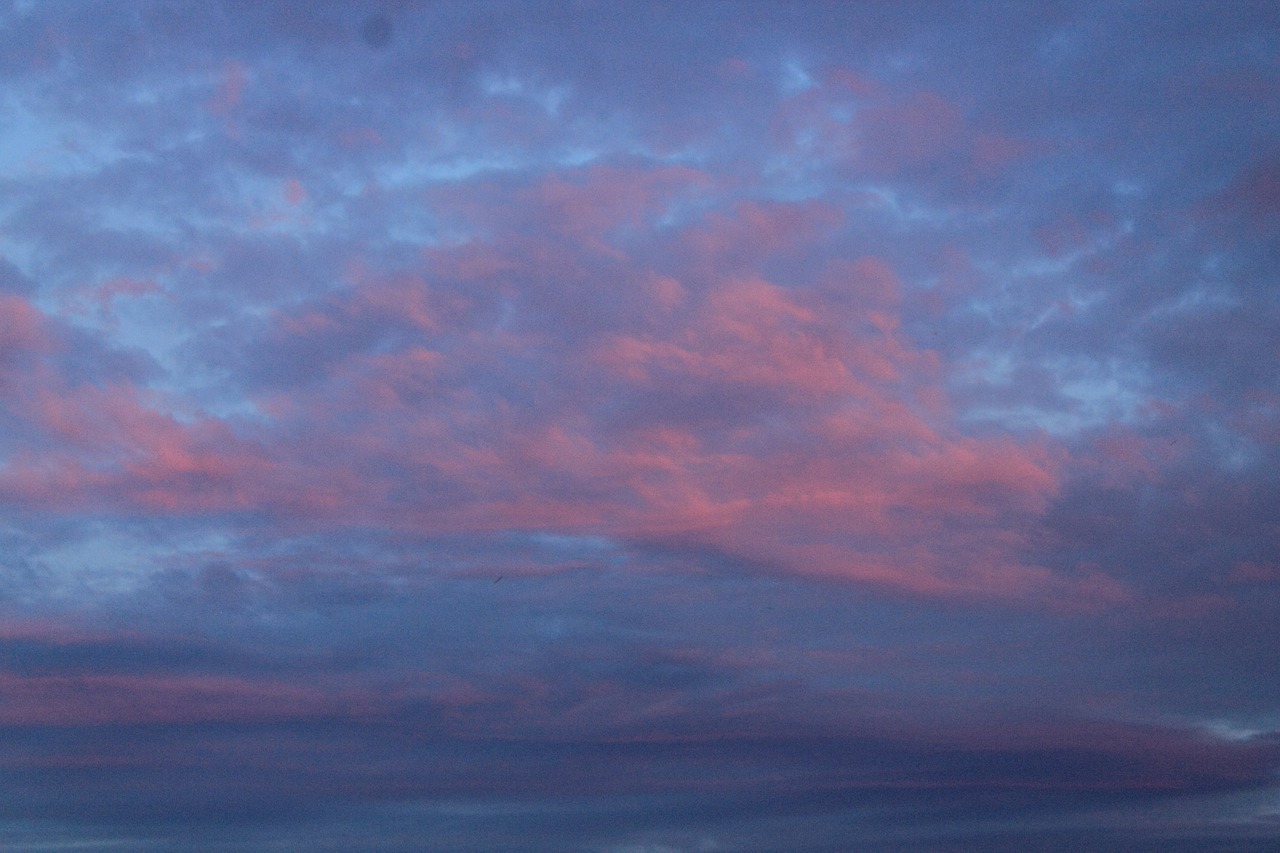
[792, 427]
[586, 205]
[911, 132]
[603, 198]
[294, 192]
[754, 230]
[119, 454]
[95, 699]
[235, 77]
[23, 329]
[1251, 572]
[746, 332]
[102, 444]
[861, 125]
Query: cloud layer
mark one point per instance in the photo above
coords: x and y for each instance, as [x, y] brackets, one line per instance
[632, 429]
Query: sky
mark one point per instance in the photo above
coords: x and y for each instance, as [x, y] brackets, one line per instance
[602, 427]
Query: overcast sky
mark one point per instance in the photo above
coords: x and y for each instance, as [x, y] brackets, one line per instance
[604, 427]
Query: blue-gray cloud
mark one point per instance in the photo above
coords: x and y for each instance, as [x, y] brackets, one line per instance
[617, 427]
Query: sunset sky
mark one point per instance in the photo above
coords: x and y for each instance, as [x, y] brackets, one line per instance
[602, 427]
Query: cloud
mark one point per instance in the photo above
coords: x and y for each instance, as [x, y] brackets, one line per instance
[584, 426]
